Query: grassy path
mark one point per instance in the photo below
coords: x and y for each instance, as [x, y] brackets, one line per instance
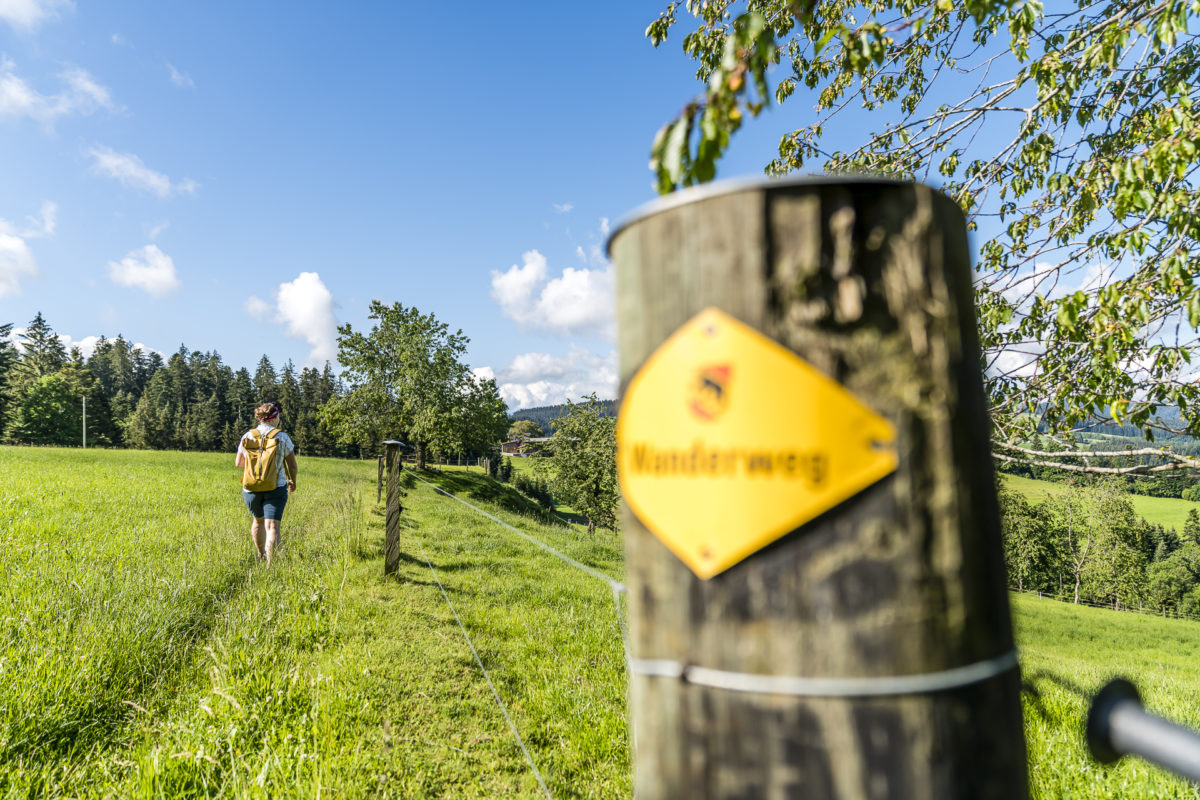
[144, 654]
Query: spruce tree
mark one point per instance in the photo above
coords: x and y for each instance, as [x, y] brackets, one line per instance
[8, 361]
[289, 391]
[266, 383]
[1191, 527]
[48, 413]
[241, 400]
[42, 352]
[81, 383]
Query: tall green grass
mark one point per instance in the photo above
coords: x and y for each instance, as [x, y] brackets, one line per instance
[1068, 653]
[143, 652]
[125, 579]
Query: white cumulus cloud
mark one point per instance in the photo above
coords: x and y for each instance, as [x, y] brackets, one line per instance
[577, 302]
[80, 94]
[180, 79]
[539, 379]
[86, 345]
[131, 171]
[257, 307]
[563, 208]
[28, 14]
[148, 269]
[305, 305]
[16, 263]
[44, 224]
[16, 258]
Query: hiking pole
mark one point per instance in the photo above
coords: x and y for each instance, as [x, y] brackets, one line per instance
[1119, 725]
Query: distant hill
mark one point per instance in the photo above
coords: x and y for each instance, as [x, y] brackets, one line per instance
[1166, 511]
[1113, 437]
[544, 416]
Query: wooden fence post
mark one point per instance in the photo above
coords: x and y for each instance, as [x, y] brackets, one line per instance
[391, 547]
[901, 588]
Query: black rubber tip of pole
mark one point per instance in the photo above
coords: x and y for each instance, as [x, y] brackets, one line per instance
[1099, 732]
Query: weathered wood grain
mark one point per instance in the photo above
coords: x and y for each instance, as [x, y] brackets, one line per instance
[870, 282]
[391, 549]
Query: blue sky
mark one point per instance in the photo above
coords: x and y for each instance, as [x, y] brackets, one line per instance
[243, 177]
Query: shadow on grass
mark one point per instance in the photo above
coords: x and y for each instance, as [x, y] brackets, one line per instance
[1029, 685]
[572, 517]
[488, 490]
[365, 550]
[417, 561]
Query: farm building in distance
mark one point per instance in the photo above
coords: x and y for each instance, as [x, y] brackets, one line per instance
[524, 447]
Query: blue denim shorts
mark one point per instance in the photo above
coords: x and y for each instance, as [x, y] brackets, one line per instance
[266, 505]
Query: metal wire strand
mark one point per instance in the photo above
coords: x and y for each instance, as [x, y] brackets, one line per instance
[503, 709]
[616, 585]
[883, 686]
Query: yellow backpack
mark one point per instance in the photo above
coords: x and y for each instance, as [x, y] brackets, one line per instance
[261, 471]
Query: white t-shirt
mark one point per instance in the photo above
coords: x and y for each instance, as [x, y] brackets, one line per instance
[285, 447]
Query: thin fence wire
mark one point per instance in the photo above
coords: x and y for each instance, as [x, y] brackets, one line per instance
[1070, 599]
[503, 708]
[618, 589]
[616, 585]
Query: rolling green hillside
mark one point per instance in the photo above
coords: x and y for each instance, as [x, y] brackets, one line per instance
[1166, 511]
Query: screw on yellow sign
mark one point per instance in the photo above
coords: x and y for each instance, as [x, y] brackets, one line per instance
[727, 441]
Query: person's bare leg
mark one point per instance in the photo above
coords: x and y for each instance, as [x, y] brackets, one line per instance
[258, 532]
[272, 529]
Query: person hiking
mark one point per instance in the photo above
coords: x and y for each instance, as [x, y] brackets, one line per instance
[261, 451]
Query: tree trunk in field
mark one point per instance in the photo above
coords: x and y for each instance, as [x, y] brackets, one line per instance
[870, 283]
[420, 454]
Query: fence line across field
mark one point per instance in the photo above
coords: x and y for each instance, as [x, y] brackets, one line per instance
[614, 584]
[512, 726]
[1125, 609]
[617, 588]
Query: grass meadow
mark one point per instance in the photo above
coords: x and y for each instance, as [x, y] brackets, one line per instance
[1068, 653]
[144, 654]
[1170, 512]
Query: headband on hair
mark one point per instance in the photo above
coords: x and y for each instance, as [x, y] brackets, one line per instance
[275, 409]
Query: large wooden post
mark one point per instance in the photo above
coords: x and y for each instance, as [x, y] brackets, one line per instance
[391, 546]
[870, 282]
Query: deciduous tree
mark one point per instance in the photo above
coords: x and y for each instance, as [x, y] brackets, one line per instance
[1028, 547]
[48, 413]
[1068, 523]
[525, 429]
[406, 377]
[1071, 137]
[1116, 571]
[583, 462]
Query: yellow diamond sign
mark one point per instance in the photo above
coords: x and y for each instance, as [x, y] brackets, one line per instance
[727, 441]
